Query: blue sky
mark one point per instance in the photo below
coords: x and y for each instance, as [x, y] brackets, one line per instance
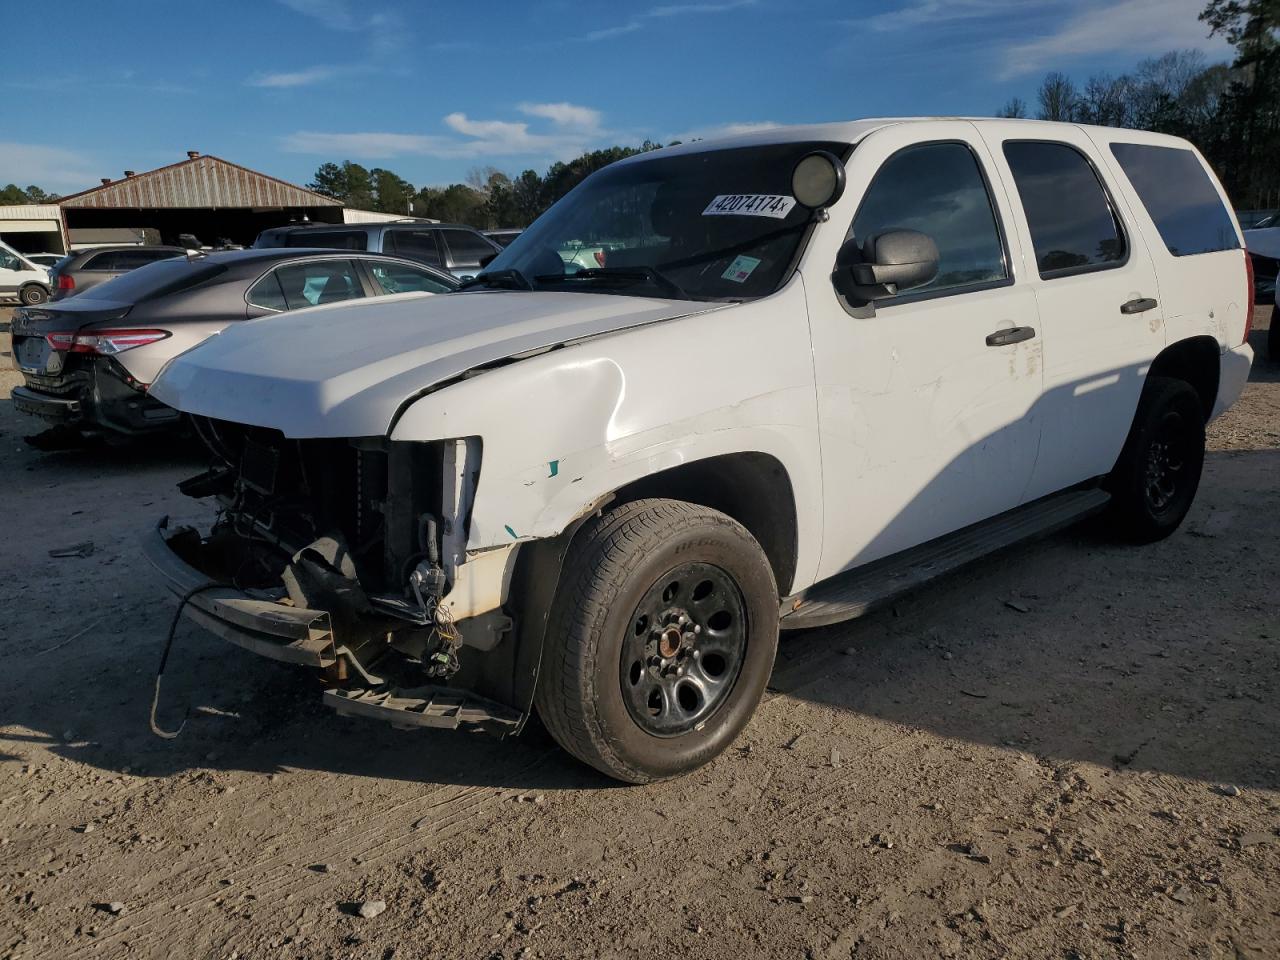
[432, 89]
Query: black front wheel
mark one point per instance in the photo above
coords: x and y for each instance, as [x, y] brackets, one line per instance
[1155, 480]
[660, 641]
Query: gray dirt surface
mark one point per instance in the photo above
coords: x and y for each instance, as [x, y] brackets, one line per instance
[1069, 750]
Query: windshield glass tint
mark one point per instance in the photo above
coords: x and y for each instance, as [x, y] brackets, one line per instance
[154, 280]
[718, 225]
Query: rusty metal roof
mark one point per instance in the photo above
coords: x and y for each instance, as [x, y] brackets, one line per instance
[201, 181]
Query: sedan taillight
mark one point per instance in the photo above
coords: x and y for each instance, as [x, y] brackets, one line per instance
[108, 343]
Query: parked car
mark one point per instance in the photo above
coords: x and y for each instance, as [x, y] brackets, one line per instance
[459, 249]
[88, 361]
[503, 238]
[21, 277]
[46, 260]
[86, 269]
[836, 361]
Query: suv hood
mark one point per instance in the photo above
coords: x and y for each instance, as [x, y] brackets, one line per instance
[345, 370]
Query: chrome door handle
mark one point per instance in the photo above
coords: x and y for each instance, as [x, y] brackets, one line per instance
[1002, 338]
[1141, 305]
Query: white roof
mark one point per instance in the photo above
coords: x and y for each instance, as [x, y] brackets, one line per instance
[851, 131]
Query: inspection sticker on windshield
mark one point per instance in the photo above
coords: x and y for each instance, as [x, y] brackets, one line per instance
[750, 205]
[741, 268]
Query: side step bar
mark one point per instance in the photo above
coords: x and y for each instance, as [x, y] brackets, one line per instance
[440, 707]
[862, 589]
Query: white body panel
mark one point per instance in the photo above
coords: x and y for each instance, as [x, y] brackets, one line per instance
[892, 428]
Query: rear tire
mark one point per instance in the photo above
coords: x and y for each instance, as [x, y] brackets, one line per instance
[1155, 480]
[1273, 336]
[32, 294]
[629, 687]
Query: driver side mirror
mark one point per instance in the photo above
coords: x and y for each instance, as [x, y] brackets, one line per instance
[885, 265]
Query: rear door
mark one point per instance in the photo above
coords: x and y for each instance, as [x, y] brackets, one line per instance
[1195, 243]
[1096, 295]
[419, 244]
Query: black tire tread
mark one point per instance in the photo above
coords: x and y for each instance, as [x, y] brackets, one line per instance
[603, 554]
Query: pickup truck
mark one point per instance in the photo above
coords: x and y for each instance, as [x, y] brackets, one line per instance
[836, 361]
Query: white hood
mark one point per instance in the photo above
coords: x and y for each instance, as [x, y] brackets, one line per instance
[344, 370]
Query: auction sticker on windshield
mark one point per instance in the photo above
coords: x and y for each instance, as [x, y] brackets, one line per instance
[750, 205]
[741, 268]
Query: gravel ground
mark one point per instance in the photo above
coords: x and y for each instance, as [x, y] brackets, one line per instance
[1090, 772]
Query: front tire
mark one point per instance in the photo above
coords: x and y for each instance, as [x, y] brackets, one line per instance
[660, 641]
[33, 294]
[1155, 480]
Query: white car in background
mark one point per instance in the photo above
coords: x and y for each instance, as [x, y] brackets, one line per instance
[22, 278]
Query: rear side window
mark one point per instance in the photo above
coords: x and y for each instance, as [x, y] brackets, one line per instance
[267, 293]
[938, 189]
[1180, 197]
[418, 244]
[319, 281]
[100, 261]
[467, 247]
[330, 239]
[132, 259]
[1073, 226]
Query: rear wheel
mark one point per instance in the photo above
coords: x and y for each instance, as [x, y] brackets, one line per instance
[660, 641]
[1155, 480]
[32, 294]
[1273, 337]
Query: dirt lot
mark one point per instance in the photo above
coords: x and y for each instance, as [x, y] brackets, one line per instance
[1091, 772]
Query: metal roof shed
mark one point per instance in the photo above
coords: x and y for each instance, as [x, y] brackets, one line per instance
[202, 195]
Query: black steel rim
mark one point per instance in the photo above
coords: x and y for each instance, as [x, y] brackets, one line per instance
[1166, 464]
[684, 649]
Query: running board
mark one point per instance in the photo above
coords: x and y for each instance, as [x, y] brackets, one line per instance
[440, 707]
[862, 589]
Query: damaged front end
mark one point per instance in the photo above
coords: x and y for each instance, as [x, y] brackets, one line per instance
[349, 556]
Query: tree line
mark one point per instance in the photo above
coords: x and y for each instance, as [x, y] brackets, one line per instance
[12, 194]
[1230, 111]
[489, 199]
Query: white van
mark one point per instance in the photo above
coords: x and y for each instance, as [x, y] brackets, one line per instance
[818, 366]
[22, 278]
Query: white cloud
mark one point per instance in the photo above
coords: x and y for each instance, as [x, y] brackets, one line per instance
[933, 12]
[662, 12]
[571, 130]
[297, 78]
[1133, 27]
[50, 168]
[563, 114]
[722, 130]
[334, 14]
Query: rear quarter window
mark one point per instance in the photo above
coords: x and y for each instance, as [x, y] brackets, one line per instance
[1178, 194]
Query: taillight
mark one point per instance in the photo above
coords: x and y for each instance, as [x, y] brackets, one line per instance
[66, 282]
[599, 255]
[107, 343]
[1248, 313]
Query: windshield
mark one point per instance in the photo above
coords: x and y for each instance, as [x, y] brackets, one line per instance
[718, 225]
[154, 280]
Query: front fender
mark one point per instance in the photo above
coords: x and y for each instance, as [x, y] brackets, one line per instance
[562, 430]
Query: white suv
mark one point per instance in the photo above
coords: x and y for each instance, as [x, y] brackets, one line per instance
[822, 365]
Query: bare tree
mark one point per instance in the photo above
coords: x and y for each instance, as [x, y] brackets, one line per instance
[1058, 97]
[1015, 109]
[1107, 101]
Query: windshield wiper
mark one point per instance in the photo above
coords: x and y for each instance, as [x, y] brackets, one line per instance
[636, 274]
[509, 279]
